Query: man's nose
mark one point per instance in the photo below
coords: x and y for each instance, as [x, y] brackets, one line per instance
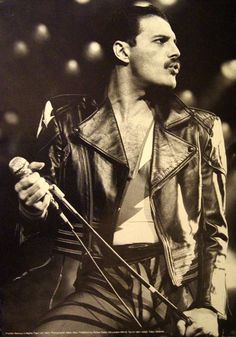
[174, 51]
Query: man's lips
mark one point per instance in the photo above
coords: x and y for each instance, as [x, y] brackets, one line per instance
[173, 67]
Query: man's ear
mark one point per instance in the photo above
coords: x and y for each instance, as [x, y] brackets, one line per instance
[121, 50]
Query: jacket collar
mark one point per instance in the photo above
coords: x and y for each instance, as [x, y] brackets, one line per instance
[177, 114]
[100, 130]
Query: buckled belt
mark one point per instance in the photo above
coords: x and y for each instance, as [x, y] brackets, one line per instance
[131, 253]
[137, 251]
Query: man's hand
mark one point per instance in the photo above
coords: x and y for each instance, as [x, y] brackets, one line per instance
[32, 190]
[204, 323]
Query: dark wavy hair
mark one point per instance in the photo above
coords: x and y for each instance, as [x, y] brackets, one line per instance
[124, 25]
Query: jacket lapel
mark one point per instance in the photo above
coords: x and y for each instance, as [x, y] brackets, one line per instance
[170, 152]
[101, 131]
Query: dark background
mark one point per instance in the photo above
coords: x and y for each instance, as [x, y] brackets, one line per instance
[205, 31]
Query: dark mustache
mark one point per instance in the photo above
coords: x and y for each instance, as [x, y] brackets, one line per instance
[172, 62]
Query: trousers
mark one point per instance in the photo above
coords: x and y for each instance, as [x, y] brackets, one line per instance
[94, 310]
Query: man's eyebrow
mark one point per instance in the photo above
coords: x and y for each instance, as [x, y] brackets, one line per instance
[158, 36]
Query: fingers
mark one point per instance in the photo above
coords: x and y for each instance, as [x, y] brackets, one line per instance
[31, 188]
[189, 331]
[43, 204]
[181, 327]
[36, 166]
[26, 182]
[193, 330]
[36, 192]
[204, 323]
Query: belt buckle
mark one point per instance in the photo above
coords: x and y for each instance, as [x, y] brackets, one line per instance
[137, 245]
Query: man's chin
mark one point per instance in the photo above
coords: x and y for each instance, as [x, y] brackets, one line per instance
[171, 85]
[164, 87]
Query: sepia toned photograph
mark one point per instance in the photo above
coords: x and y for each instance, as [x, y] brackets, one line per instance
[118, 168]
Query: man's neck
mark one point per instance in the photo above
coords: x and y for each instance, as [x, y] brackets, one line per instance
[124, 93]
[133, 113]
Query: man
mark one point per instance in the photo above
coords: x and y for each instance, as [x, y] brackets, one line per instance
[148, 173]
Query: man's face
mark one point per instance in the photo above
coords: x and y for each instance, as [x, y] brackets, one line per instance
[154, 58]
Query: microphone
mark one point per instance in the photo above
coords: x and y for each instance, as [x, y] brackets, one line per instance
[19, 166]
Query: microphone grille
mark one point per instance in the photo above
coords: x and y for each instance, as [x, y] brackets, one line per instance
[19, 166]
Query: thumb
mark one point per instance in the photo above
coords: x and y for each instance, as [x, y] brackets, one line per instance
[36, 166]
[181, 327]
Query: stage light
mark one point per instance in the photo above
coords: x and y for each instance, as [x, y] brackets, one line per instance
[41, 33]
[82, 2]
[228, 70]
[20, 49]
[11, 117]
[72, 67]
[227, 133]
[142, 3]
[231, 270]
[167, 2]
[188, 97]
[93, 51]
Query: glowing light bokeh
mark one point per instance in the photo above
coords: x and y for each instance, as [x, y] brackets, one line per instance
[142, 3]
[20, 49]
[167, 2]
[227, 132]
[228, 70]
[11, 117]
[41, 33]
[93, 51]
[72, 67]
[188, 97]
[82, 2]
[231, 270]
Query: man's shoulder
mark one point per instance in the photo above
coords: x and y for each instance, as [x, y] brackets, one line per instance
[80, 104]
[205, 117]
[67, 109]
[214, 153]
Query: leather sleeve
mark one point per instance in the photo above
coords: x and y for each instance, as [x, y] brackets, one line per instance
[54, 136]
[215, 235]
[50, 150]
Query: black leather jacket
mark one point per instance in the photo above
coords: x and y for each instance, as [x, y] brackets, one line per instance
[83, 150]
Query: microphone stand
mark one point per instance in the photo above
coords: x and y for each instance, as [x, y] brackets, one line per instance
[67, 222]
[61, 196]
